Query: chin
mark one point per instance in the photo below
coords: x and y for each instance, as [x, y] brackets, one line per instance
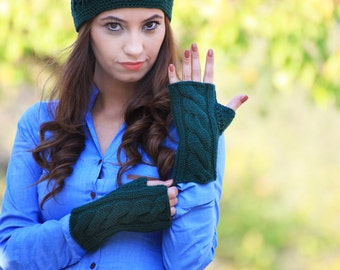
[132, 79]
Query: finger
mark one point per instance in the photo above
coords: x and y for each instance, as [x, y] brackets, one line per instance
[173, 211]
[172, 74]
[186, 71]
[167, 183]
[209, 67]
[172, 193]
[195, 64]
[173, 202]
[237, 101]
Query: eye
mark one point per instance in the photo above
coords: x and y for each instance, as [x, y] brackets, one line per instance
[112, 26]
[149, 26]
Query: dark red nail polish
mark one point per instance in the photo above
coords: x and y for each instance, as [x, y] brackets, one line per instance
[171, 68]
[194, 47]
[186, 54]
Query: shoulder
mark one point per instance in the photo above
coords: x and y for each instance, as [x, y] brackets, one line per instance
[37, 114]
[42, 111]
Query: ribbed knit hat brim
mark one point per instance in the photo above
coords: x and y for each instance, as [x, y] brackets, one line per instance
[85, 10]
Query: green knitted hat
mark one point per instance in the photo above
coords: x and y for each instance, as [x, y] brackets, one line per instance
[85, 10]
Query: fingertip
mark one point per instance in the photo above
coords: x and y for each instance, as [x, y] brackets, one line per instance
[172, 74]
[194, 47]
[210, 53]
[244, 98]
[171, 68]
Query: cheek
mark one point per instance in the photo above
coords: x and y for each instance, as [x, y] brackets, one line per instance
[102, 51]
[155, 46]
[96, 48]
[101, 45]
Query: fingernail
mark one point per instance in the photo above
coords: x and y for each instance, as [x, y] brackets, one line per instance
[210, 53]
[171, 68]
[244, 98]
[186, 54]
[194, 47]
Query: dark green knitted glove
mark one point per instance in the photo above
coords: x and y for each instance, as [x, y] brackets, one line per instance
[199, 121]
[132, 207]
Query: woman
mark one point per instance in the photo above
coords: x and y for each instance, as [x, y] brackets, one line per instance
[94, 177]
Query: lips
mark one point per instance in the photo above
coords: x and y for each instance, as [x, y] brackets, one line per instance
[132, 65]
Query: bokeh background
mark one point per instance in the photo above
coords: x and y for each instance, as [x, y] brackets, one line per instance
[281, 202]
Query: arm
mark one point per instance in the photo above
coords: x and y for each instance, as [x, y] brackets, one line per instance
[198, 117]
[132, 207]
[199, 122]
[25, 241]
[191, 241]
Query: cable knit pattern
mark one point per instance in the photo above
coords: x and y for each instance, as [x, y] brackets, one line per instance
[132, 207]
[199, 121]
[85, 10]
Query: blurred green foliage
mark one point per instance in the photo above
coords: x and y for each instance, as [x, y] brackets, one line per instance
[293, 43]
[277, 45]
[281, 192]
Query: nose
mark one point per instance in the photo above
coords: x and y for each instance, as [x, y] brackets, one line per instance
[134, 45]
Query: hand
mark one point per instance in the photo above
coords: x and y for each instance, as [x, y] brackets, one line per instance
[172, 190]
[135, 207]
[191, 71]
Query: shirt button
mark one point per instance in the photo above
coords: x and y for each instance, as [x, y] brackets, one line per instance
[93, 194]
[93, 265]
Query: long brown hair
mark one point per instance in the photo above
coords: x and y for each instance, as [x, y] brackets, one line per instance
[147, 116]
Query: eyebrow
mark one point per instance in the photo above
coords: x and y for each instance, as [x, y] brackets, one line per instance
[110, 17]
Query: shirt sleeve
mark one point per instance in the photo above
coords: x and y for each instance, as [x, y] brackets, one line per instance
[25, 241]
[191, 241]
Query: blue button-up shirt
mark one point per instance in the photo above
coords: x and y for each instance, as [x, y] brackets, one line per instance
[35, 238]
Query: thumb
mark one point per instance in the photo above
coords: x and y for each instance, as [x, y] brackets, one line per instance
[237, 101]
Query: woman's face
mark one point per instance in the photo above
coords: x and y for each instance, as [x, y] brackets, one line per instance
[126, 42]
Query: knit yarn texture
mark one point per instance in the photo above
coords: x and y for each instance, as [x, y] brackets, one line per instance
[199, 121]
[85, 10]
[132, 207]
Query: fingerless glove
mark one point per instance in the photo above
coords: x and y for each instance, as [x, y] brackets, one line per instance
[199, 121]
[132, 207]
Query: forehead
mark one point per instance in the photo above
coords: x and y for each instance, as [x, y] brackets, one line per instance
[131, 14]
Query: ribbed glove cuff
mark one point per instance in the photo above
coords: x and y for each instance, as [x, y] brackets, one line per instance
[132, 207]
[199, 121]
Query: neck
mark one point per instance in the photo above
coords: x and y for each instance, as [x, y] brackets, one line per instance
[113, 96]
